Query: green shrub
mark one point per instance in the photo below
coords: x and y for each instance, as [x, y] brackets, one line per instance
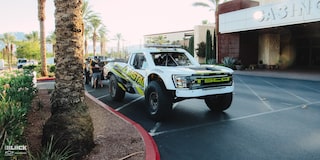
[29, 67]
[12, 122]
[16, 94]
[21, 88]
[52, 68]
[228, 62]
[51, 152]
[211, 61]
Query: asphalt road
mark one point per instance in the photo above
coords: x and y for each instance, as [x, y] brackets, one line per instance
[270, 118]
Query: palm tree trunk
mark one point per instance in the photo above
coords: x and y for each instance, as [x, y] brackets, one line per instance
[7, 51]
[102, 47]
[70, 122]
[118, 48]
[42, 17]
[94, 39]
[11, 54]
[86, 48]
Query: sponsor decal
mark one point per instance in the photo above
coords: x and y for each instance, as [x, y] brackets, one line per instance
[129, 74]
[212, 80]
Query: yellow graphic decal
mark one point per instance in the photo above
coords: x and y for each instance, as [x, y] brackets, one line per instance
[140, 91]
[212, 80]
[136, 77]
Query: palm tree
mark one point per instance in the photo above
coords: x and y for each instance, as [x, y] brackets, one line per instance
[95, 24]
[87, 15]
[33, 36]
[212, 5]
[160, 40]
[118, 38]
[70, 123]
[52, 40]
[87, 12]
[103, 38]
[87, 31]
[8, 39]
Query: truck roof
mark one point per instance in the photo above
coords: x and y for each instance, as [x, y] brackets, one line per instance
[160, 48]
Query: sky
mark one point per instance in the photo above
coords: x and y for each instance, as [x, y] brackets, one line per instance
[131, 18]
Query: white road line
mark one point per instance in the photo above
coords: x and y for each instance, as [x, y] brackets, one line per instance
[155, 128]
[263, 100]
[89, 91]
[233, 119]
[124, 106]
[316, 90]
[103, 96]
[284, 90]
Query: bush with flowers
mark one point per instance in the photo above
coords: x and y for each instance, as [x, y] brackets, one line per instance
[16, 93]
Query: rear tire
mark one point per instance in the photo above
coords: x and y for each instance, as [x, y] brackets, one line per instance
[158, 103]
[116, 93]
[219, 102]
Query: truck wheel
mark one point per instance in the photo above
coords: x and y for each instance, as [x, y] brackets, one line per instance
[116, 93]
[158, 103]
[219, 102]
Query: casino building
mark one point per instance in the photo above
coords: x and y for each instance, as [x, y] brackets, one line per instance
[275, 33]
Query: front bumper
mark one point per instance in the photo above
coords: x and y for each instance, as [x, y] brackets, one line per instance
[188, 93]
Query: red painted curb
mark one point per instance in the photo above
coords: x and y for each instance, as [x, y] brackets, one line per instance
[152, 152]
[45, 79]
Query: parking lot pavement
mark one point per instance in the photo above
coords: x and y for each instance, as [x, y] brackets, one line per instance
[287, 74]
[274, 115]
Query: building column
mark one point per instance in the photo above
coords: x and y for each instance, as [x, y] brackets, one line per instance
[200, 33]
[269, 49]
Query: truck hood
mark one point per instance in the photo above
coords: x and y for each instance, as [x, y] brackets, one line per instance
[195, 70]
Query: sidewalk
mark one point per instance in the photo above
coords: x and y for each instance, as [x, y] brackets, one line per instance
[45, 83]
[288, 74]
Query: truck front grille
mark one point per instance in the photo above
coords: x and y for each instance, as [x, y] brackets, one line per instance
[198, 82]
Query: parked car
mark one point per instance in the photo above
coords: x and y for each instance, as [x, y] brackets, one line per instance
[23, 62]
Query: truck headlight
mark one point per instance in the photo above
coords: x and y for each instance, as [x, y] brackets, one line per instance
[180, 81]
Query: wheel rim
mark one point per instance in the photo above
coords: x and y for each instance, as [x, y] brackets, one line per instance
[154, 102]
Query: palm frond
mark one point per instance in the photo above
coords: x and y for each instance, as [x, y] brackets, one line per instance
[201, 4]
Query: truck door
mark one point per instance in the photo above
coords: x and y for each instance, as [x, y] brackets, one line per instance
[138, 65]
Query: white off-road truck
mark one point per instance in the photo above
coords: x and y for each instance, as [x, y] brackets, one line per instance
[165, 75]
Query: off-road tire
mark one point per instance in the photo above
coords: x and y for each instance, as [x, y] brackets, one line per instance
[219, 102]
[158, 102]
[116, 93]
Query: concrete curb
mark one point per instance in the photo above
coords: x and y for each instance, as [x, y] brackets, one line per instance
[152, 152]
[45, 79]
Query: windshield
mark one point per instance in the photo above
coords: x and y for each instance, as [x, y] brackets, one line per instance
[22, 61]
[170, 59]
